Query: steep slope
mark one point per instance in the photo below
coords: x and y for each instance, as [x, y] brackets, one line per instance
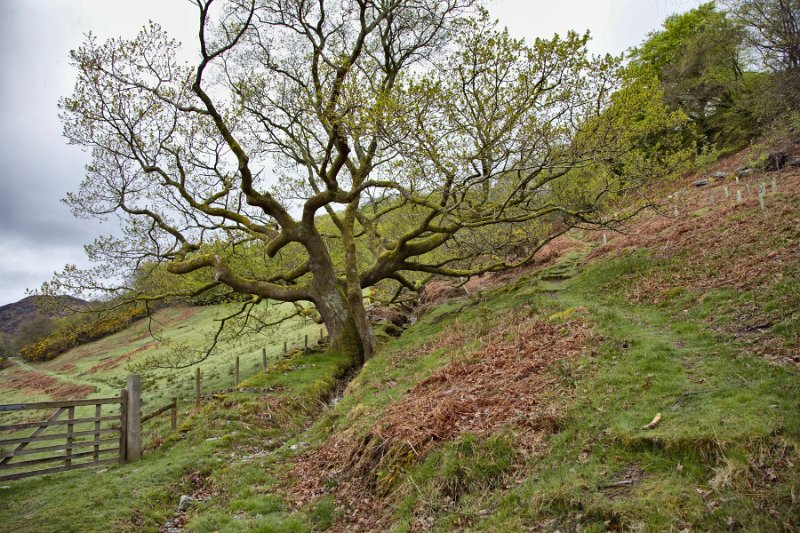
[678, 410]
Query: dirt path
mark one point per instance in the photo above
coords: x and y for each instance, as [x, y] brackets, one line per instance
[23, 365]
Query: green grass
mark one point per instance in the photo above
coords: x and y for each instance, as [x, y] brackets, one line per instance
[454, 475]
[769, 309]
[105, 364]
[726, 420]
[725, 455]
[227, 451]
[125, 498]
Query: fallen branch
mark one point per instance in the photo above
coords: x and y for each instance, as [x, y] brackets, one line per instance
[653, 423]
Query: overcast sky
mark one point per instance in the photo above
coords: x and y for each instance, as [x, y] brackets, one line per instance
[37, 168]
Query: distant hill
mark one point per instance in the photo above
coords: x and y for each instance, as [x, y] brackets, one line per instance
[12, 315]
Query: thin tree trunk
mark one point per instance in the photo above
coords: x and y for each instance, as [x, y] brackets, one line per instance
[355, 297]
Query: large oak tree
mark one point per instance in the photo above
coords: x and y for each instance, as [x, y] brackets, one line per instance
[318, 148]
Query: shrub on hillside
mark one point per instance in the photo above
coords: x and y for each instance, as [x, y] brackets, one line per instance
[33, 329]
[6, 346]
[80, 329]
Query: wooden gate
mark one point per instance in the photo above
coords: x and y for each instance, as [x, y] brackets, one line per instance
[86, 436]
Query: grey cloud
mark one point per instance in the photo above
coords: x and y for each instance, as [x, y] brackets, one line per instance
[26, 267]
[30, 194]
[37, 168]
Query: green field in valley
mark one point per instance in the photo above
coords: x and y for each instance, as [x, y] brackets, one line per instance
[100, 369]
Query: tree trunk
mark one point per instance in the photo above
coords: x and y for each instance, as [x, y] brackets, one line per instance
[353, 292]
[342, 321]
[342, 312]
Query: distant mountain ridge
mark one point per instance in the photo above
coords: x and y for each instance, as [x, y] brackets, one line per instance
[14, 314]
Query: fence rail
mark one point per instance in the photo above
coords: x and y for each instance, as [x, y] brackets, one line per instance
[53, 405]
[172, 406]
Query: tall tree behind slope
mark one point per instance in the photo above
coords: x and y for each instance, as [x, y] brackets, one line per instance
[773, 30]
[697, 57]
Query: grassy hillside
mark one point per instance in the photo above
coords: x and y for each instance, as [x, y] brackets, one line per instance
[647, 384]
[100, 368]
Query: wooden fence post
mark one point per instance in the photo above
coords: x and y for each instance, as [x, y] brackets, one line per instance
[133, 444]
[236, 373]
[174, 412]
[123, 424]
[197, 388]
[70, 431]
[263, 358]
[306, 342]
[97, 413]
[284, 347]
